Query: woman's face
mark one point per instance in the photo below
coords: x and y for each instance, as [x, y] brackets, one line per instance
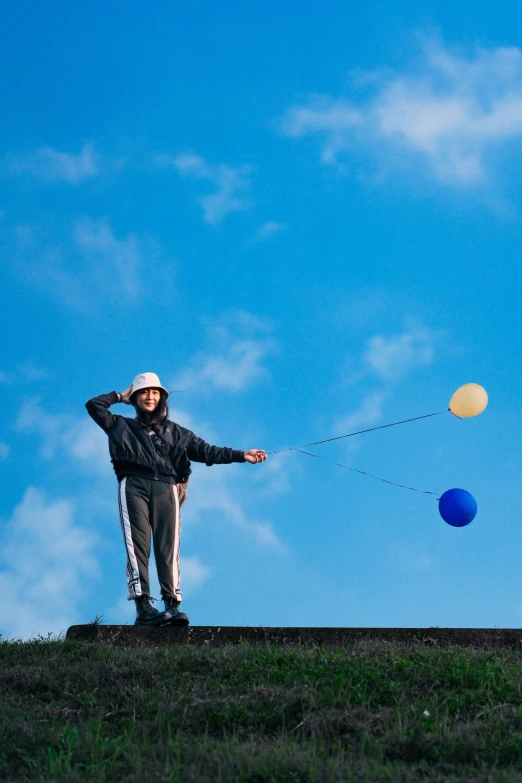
[147, 399]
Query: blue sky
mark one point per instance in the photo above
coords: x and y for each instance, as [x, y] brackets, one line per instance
[305, 219]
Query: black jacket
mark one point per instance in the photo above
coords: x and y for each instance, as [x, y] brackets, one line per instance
[133, 452]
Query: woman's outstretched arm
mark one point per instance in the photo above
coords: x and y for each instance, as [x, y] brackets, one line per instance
[201, 451]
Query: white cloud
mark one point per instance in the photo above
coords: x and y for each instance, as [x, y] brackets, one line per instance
[393, 356]
[49, 164]
[4, 450]
[265, 231]
[231, 184]
[238, 366]
[238, 346]
[194, 573]
[114, 261]
[31, 372]
[48, 563]
[213, 489]
[449, 110]
[387, 359]
[274, 478]
[24, 373]
[369, 411]
[65, 437]
[51, 428]
[88, 444]
[91, 263]
[333, 119]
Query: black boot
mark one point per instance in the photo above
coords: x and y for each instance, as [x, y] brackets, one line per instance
[147, 615]
[172, 608]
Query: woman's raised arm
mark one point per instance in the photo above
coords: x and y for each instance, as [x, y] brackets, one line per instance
[98, 409]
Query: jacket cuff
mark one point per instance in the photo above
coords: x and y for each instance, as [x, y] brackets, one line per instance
[238, 456]
[114, 397]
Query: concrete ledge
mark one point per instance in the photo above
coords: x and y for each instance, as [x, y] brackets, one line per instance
[130, 635]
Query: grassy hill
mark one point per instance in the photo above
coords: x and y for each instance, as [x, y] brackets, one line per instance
[258, 713]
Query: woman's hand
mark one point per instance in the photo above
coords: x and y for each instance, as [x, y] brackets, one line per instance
[255, 455]
[125, 395]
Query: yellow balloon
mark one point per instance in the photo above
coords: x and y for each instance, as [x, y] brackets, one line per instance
[470, 400]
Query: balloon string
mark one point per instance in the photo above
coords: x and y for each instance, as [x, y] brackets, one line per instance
[359, 432]
[365, 473]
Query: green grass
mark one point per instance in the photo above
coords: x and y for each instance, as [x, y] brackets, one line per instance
[258, 713]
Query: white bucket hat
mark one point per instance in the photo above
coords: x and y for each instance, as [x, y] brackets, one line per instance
[147, 380]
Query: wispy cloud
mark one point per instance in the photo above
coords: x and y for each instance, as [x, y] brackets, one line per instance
[32, 372]
[213, 490]
[238, 345]
[49, 164]
[100, 250]
[368, 411]
[89, 263]
[48, 562]
[4, 450]
[194, 573]
[23, 373]
[387, 359]
[449, 110]
[49, 427]
[231, 184]
[265, 231]
[330, 118]
[66, 437]
[393, 356]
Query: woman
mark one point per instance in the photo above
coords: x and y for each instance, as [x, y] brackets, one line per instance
[151, 457]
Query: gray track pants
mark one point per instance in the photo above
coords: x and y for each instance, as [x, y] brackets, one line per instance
[147, 505]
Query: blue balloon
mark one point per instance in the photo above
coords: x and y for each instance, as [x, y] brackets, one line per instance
[457, 507]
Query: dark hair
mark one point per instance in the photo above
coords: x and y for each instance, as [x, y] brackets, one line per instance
[158, 415]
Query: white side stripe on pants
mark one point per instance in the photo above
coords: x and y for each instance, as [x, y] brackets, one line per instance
[177, 534]
[133, 574]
